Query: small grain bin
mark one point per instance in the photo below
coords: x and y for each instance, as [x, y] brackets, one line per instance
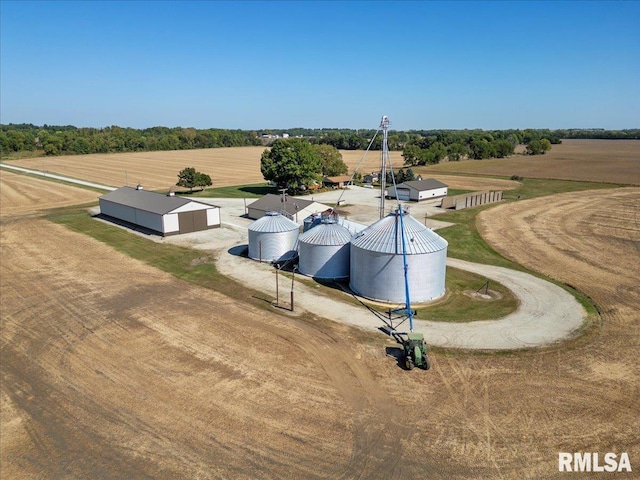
[324, 250]
[273, 238]
[377, 265]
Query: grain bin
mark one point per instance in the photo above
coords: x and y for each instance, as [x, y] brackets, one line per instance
[377, 266]
[273, 238]
[324, 250]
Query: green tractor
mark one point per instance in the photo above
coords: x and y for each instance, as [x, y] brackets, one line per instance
[415, 350]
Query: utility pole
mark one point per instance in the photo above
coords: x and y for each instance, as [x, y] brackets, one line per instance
[293, 274]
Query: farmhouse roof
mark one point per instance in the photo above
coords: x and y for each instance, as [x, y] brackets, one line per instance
[273, 203]
[422, 185]
[147, 201]
[338, 179]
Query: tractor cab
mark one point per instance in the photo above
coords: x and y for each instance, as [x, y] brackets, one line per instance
[415, 350]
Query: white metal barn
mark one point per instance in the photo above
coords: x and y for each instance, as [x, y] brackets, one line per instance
[163, 214]
[377, 265]
[418, 190]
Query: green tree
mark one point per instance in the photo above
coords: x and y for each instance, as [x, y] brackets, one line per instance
[538, 147]
[291, 163]
[190, 178]
[411, 155]
[456, 151]
[503, 148]
[409, 175]
[331, 160]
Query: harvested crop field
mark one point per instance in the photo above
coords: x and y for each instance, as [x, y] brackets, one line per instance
[21, 194]
[226, 166]
[114, 369]
[612, 161]
[156, 170]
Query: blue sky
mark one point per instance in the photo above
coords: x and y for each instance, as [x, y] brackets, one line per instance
[256, 65]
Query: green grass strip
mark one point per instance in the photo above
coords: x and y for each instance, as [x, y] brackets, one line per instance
[194, 266]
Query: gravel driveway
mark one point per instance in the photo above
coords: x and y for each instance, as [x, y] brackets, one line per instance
[546, 314]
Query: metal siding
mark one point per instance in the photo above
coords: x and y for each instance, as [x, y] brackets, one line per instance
[152, 221]
[171, 223]
[115, 210]
[191, 207]
[272, 246]
[377, 266]
[324, 251]
[186, 221]
[199, 220]
[324, 261]
[213, 217]
[380, 276]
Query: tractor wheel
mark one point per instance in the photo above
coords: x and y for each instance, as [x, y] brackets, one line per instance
[409, 363]
[426, 364]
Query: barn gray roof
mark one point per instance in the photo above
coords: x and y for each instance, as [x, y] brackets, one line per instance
[273, 203]
[422, 185]
[147, 201]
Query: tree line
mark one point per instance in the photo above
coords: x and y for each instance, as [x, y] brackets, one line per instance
[69, 140]
[422, 147]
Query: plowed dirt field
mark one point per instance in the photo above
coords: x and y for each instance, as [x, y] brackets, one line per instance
[113, 369]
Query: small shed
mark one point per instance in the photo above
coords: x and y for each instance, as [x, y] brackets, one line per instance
[418, 190]
[297, 209]
[337, 182]
[159, 213]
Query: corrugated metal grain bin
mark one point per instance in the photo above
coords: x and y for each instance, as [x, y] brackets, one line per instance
[273, 238]
[324, 251]
[377, 266]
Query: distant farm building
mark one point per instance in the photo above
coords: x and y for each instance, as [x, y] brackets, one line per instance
[418, 190]
[161, 214]
[337, 182]
[297, 209]
[370, 177]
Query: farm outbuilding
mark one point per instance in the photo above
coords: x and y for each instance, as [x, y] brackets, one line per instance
[161, 214]
[297, 209]
[340, 181]
[418, 190]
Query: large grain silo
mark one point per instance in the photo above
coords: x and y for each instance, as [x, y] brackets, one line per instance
[377, 265]
[324, 250]
[273, 238]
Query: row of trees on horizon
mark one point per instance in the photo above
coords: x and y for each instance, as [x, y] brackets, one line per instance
[420, 147]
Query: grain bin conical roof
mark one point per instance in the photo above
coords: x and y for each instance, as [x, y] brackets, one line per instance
[326, 234]
[273, 222]
[385, 236]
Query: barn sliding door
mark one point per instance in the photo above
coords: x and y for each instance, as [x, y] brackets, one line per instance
[192, 221]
